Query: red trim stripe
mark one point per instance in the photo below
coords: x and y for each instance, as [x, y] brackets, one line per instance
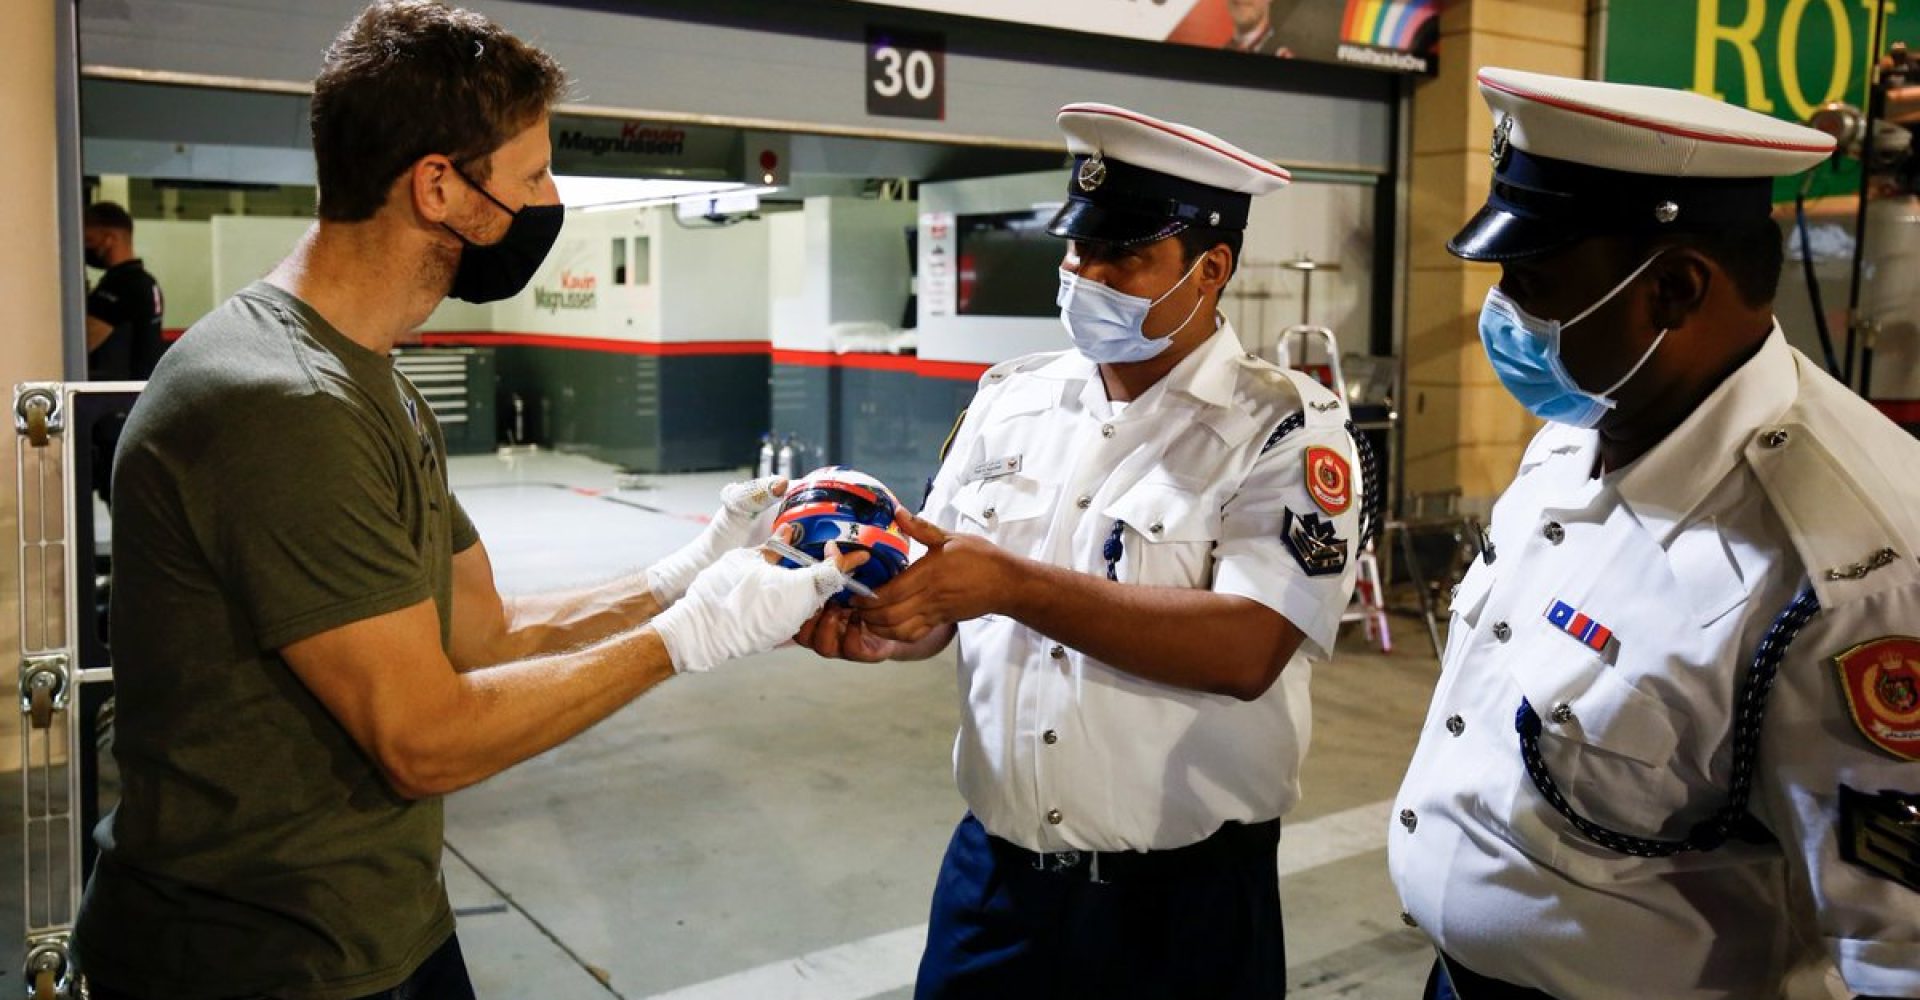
[910, 364]
[828, 359]
[961, 370]
[1900, 411]
[1245, 160]
[172, 335]
[964, 370]
[1662, 127]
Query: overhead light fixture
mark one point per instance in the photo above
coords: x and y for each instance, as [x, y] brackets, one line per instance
[602, 193]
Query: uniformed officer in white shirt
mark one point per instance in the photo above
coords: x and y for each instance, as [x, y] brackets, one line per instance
[1672, 750]
[1139, 543]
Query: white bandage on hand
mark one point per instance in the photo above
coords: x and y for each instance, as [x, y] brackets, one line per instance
[732, 526]
[742, 605]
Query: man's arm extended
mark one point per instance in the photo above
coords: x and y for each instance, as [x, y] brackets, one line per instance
[489, 628]
[1196, 639]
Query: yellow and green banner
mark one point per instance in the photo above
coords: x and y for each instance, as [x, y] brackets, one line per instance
[1781, 57]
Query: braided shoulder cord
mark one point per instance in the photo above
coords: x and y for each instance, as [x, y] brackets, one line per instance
[1750, 712]
[1115, 547]
[1371, 501]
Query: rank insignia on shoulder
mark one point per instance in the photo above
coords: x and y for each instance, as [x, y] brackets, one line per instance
[1568, 619]
[1881, 833]
[1329, 480]
[947, 445]
[1314, 545]
[1882, 684]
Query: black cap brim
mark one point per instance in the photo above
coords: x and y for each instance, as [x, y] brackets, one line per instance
[1091, 223]
[1495, 234]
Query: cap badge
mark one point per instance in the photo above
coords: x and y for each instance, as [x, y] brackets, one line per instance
[1502, 139]
[1093, 172]
[1666, 211]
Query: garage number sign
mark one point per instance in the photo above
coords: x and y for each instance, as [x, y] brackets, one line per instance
[906, 74]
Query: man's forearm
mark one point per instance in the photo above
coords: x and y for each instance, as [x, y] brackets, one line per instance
[497, 717]
[1195, 639]
[557, 621]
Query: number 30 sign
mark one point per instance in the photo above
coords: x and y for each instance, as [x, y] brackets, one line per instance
[906, 74]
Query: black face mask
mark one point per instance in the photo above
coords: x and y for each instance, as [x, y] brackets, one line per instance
[489, 272]
[96, 259]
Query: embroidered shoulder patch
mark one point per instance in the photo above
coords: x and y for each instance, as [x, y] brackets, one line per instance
[1329, 479]
[1314, 545]
[1882, 683]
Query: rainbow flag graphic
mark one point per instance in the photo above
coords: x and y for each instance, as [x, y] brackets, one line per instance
[1387, 24]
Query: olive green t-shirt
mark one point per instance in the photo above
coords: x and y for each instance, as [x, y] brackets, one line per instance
[275, 480]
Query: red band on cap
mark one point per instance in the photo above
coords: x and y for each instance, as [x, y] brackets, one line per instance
[1625, 119]
[1266, 168]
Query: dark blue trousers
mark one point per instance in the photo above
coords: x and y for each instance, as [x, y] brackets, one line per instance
[1206, 926]
[1450, 980]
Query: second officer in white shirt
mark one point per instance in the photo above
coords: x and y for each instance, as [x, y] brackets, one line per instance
[1674, 751]
[1139, 543]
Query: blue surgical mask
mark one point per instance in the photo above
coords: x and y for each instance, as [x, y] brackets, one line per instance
[1108, 326]
[1525, 352]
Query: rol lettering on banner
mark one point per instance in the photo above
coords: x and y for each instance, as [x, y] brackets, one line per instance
[906, 73]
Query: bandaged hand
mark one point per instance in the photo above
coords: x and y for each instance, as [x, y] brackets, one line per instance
[745, 604]
[731, 527]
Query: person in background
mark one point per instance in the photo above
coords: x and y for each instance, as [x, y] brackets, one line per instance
[125, 307]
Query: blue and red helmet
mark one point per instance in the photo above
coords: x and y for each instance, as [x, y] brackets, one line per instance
[851, 509]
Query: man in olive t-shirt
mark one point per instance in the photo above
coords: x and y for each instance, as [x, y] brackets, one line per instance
[230, 534]
[308, 644]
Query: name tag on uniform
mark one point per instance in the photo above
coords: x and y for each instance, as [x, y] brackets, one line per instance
[995, 468]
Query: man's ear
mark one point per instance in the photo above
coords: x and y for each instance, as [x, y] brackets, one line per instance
[1682, 280]
[1216, 267]
[428, 184]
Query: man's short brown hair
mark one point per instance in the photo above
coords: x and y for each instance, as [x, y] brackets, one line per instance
[409, 78]
[107, 215]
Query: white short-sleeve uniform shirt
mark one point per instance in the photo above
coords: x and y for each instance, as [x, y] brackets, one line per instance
[1058, 751]
[1626, 609]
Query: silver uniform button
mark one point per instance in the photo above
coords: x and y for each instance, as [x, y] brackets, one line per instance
[989, 512]
[1083, 503]
[1058, 652]
[1054, 817]
[1106, 430]
[1775, 438]
[1562, 713]
[1407, 918]
[1456, 725]
[1156, 528]
[1501, 631]
[1050, 737]
[1555, 533]
[1408, 819]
